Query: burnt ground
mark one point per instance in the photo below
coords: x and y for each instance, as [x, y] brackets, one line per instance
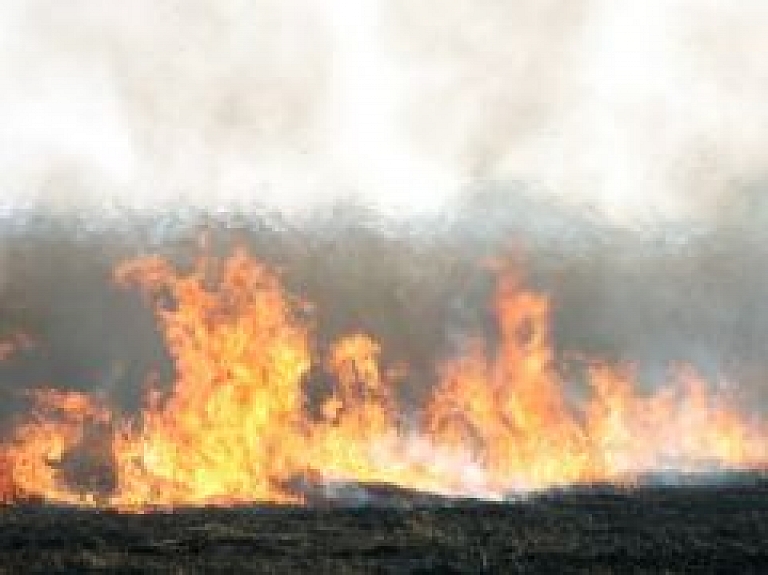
[683, 529]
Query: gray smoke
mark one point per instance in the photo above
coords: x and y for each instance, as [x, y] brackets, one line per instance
[587, 115]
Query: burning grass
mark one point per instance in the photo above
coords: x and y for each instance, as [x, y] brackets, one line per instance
[236, 425]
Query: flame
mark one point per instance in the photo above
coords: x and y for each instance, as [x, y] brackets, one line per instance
[509, 409]
[236, 427]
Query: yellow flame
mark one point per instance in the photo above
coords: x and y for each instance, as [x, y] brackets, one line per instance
[235, 428]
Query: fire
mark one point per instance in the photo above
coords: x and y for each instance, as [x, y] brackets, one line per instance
[43, 453]
[236, 425]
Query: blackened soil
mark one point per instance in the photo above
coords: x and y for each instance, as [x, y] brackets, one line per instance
[716, 529]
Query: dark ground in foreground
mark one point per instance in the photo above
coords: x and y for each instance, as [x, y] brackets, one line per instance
[716, 529]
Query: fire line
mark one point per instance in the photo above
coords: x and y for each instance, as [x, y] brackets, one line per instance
[234, 426]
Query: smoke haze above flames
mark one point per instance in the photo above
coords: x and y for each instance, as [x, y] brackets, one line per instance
[638, 108]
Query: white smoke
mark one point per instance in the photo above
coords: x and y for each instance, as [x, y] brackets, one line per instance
[638, 107]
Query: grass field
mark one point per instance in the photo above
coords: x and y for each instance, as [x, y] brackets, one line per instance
[682, 529]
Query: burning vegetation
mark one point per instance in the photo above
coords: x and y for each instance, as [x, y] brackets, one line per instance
[245, 421]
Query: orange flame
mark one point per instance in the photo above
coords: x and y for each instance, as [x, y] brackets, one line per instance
[235, 426]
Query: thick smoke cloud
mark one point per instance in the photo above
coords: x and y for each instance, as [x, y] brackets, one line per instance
[640, 108]
[639, 112]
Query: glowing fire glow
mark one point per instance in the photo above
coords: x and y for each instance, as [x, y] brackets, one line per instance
[236, 426]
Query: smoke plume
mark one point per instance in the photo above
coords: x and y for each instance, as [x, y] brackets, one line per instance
[640, 109]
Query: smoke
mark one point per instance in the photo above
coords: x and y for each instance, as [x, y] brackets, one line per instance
[638, 108]
[641, 110]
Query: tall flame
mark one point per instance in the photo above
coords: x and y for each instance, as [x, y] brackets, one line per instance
[236, 425]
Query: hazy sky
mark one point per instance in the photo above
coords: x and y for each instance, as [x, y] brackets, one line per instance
[637, 107]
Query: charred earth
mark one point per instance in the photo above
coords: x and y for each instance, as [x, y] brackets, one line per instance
[652, 529]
